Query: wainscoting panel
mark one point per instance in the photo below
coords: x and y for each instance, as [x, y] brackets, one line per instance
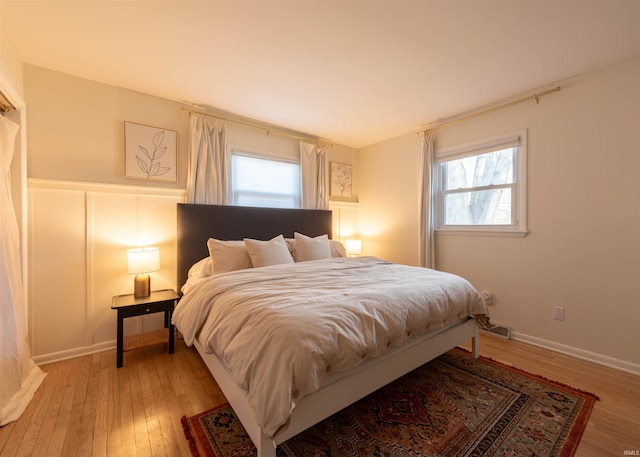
[79, 234]
[345, 220]
[57, 273]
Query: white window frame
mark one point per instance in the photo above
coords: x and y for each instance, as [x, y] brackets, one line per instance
[518, 226]
[240, 150]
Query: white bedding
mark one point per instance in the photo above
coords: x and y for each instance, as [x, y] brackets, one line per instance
[281, 329]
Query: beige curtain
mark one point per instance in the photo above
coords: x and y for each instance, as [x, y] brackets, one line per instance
[427, 207]
[20, 375]
[206, 177]
[313, 166]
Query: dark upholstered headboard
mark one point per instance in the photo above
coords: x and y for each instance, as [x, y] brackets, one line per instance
[198, 223]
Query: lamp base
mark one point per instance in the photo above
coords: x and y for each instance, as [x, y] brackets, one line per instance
[141, 286]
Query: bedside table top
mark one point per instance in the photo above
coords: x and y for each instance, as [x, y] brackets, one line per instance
[120, 301]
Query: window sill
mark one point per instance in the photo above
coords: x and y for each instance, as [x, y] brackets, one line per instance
[484, 232]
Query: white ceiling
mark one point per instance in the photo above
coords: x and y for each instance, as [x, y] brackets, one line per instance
[352, 71]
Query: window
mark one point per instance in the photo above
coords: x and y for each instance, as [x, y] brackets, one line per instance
[262, 180]
[481, 187]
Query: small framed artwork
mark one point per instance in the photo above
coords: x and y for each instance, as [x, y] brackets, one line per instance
[150, 153]
[341, 179]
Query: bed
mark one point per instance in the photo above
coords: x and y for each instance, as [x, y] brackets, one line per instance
[199, 223]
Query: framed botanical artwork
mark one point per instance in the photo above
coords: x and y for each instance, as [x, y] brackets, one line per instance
[341, 179]
[150, 153]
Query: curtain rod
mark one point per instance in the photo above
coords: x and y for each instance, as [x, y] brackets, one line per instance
[266, 129]
[535, 97]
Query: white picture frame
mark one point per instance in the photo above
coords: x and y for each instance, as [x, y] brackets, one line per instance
[150, 153]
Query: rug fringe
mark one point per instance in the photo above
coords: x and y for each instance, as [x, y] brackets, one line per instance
[533, 375]
[187, 433]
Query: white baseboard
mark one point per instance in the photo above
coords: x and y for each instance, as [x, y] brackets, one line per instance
[589, 356]
[75, 352]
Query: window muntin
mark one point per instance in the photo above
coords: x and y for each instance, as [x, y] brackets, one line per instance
[481, 187]
[261, 180]
[477, 189]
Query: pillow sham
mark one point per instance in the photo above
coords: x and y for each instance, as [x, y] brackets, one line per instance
[291, 245]
[201, 269]
[337, 248]
[308, 248]
[228, 255]
[265, 253]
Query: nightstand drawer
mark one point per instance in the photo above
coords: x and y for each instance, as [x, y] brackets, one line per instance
[142, 309]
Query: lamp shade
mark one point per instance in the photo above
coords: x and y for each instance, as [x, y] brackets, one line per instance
[143, 260]
[353, 246]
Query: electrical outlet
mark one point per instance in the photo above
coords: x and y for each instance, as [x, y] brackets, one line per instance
[558, 313]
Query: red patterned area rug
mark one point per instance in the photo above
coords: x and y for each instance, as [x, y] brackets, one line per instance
[452, 406]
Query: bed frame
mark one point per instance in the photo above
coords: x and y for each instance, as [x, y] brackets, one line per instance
[198, 223]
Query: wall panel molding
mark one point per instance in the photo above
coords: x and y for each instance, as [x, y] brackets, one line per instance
[78, 237]
[36, 183]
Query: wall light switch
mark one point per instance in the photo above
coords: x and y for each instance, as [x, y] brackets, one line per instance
[558, 313]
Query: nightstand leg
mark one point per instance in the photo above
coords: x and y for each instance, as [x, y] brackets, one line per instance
[168, 324]
[171, 339]
[119, 341]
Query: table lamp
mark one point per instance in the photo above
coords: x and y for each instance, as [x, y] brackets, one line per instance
[142, 261]
[353, 247]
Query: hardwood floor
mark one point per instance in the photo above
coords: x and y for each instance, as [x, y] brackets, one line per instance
[88, 407]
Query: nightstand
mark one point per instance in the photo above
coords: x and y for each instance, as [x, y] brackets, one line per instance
[130, 306]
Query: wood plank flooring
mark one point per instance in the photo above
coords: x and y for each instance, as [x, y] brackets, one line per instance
[88, 407]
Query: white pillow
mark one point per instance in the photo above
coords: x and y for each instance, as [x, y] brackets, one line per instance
[265, 253]
[337, 249]
[201, 269]
[308, 248]
[291, 245]
[228, 255]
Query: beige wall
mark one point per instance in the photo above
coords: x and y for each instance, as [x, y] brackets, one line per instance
[10, 62]
[388, 177]
[84, 214]
[77, 130]
[583, 247]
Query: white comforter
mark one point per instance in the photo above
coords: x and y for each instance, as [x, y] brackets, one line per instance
[282, 329]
